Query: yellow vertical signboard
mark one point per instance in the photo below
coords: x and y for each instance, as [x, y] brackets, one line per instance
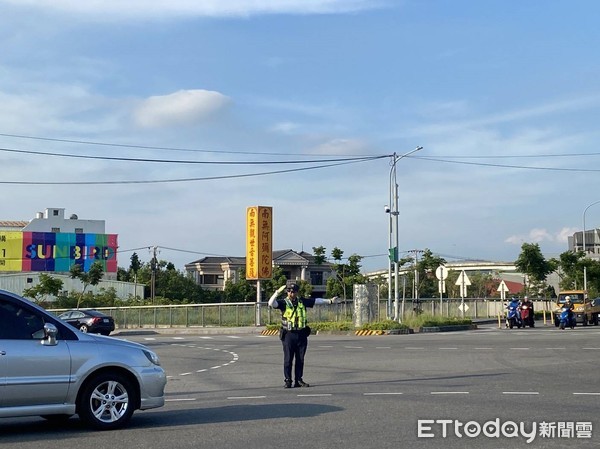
[11, 251]
[259, 242]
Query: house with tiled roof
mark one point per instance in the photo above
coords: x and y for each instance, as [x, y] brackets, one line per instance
[212, 272]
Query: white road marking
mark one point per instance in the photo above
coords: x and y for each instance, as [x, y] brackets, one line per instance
[313, 395]
[587, 394]
[380, 394]
[185, 374]
[521, 392]
[180, 400]
[449, 392]
[246, 397]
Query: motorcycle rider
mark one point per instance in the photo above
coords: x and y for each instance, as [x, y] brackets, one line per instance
[513, 304]
[569, 305]
[529, 304]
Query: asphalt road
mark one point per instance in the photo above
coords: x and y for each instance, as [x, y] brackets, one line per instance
[226, 391]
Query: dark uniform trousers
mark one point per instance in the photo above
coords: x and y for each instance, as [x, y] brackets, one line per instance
[294, 347]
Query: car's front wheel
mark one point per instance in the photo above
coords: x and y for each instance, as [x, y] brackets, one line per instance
[83, 328]
[107, 401]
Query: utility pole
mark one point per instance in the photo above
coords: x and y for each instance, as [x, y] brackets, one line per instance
[153, 268]
[416, 272]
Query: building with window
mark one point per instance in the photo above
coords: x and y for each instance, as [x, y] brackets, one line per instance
[51, 243]
[212, 272]
[592, 243]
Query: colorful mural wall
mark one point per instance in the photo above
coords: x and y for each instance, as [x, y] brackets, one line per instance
[51, 251]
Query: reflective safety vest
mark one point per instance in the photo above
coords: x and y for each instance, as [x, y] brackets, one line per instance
[294, 318]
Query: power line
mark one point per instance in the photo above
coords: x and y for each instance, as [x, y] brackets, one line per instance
[208, 178]
[145, 147]
[170, 161]
[521, 167]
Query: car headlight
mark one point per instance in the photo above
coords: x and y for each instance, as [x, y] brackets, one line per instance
[152, 357]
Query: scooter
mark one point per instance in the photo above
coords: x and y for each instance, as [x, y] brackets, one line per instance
[566, 319]
[527, 316]
[513, 316]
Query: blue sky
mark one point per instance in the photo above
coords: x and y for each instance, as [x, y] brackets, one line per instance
[504, 98]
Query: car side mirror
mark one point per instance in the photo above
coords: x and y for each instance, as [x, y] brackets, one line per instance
[50, 333]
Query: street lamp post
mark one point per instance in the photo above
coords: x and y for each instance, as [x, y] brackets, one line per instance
[584, 246]
[393, 252]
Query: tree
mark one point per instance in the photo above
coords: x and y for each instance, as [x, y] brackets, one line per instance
[92, 277]
[241, 290]
[532, 263]
[346, 275]
[47, 286]
[135, 265]
[319, 254]
[428, 283]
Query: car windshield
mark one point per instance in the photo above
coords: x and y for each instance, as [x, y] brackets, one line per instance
[575, 298]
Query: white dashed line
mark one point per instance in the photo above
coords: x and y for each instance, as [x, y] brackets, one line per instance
[521, 392]
[449, 392]
[380, 394]
[246, 397]
[587, 394]
[180, 400]
[313, 395]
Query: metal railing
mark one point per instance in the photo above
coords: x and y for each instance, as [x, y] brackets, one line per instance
[244, 313]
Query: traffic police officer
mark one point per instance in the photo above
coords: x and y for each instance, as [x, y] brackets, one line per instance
[294, 330]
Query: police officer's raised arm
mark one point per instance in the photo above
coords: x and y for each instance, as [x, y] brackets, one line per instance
[321, 301]
[273, 298]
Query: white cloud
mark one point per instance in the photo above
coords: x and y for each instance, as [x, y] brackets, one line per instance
[576, 104]
[538, 235]
[285, 127]
[564, 234]
[341, 147]
[207, 8]
[180, 108]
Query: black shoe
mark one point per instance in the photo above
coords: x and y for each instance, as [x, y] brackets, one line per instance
[288, 383]
[301, 383]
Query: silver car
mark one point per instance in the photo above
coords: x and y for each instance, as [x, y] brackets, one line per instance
[49, 368]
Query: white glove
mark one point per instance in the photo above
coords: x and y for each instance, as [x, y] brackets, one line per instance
[334, 300]
[280, 289]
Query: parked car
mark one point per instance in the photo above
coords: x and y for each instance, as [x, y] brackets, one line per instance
[49, 369]
[91, 321]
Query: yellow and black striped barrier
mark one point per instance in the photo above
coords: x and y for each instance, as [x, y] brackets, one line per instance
[366, 332]
[270, 332]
